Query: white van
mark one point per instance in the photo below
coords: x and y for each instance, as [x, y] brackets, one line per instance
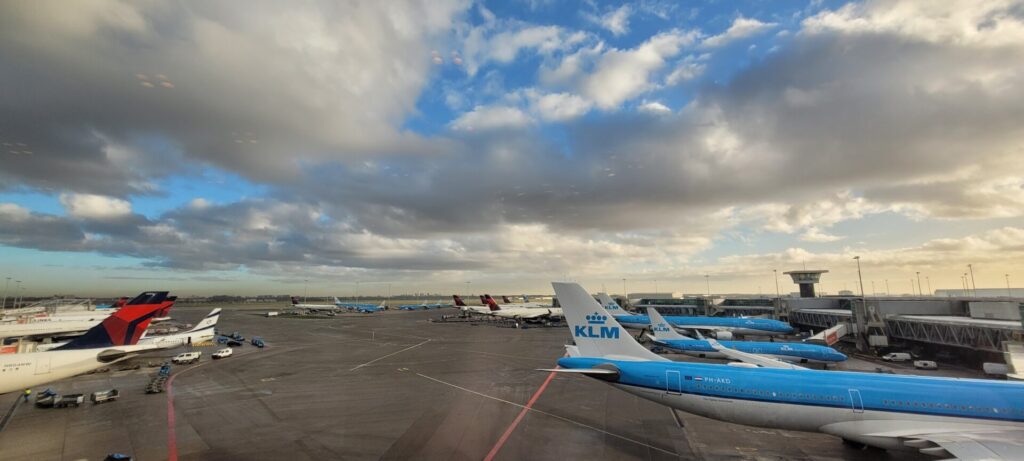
[226, 352]
[925, 365]
[272, 314]
[896, 357]
[187, 357]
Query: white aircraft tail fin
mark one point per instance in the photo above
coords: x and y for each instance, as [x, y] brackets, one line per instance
[611, 306]
[661, 328]
[209, 321]
[596, 332]
[336, 301]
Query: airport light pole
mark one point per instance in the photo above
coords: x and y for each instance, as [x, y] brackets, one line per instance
[873, 292]
[707, 280]
[624, 293]
[919, 292]
[305, 292]
[928, 281]
[963, 283]
[860, 278]
[1008, 293]
[17, 291]
[7, 285]
[974, 286]
[887, 292]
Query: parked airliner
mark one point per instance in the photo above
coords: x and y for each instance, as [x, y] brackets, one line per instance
[969, 419]
[724, 327]
[667, 337]
[73, 324]
[113, 340]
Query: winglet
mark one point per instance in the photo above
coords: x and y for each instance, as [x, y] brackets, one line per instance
[596, 332]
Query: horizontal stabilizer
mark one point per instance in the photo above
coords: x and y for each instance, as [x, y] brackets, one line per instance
[582, 371]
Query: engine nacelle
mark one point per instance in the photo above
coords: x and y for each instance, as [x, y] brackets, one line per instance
[726, 335]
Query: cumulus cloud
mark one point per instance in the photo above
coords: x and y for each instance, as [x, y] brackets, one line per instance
[490, 118]
[560, 106]
[654, 107]
[615, 21]
[622, 74]
[741, 28]
[89, 206]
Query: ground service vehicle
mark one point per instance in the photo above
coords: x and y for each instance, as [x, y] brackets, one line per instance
[187, 357]
[226, 352]
[104, 396]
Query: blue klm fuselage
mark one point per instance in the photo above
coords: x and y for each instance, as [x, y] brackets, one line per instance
[989, 400]
[798, 352]
[750, 326]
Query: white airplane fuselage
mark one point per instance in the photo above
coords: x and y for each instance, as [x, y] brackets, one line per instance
[24, 371]
[49, 327]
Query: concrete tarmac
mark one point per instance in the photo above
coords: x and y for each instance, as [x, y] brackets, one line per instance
[390, 385]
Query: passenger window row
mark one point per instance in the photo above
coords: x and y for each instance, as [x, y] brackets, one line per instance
[946, 406]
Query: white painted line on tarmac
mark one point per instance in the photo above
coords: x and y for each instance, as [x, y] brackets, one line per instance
[389, 355]
[562, 418]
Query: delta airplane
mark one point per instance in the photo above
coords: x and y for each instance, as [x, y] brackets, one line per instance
[724, 327]
[113, 340]
[461, 305]
[666, 336]
[553, 312]
[70, 325]
[516, 312]
[970, 419]
[202, 332]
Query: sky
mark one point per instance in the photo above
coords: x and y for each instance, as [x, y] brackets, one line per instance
[348, 147]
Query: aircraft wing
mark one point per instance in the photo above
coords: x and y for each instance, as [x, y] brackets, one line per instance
[1005, 445]
[754, 359]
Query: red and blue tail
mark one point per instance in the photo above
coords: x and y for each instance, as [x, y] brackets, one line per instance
[125, 326]
[489, 301]
[458, 301]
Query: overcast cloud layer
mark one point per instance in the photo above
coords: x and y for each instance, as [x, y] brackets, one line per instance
[875, 111]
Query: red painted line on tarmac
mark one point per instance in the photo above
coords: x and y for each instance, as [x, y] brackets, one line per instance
[172, 437]
[508, 432]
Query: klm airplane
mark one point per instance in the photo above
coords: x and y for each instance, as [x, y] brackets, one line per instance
[724, 327]
[667, 337]
[361, 307]
[969, 419]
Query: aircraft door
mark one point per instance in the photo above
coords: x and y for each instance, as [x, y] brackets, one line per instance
[43, 364]
[673, 382]
[856, 403]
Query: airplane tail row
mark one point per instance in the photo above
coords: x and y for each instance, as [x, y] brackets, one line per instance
[458, 301]
[595, 330]
[126, 326]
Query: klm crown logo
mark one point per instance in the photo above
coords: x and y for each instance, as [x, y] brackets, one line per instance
[595, 328]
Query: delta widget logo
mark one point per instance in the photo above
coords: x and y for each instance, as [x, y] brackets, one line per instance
[596, 328]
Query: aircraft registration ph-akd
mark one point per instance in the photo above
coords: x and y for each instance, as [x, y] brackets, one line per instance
[969, 419]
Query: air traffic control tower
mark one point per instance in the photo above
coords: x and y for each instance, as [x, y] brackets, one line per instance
[806, 279]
